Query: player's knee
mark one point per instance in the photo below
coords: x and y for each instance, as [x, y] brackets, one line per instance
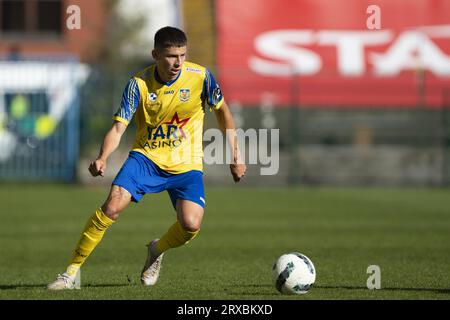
[191, 224]
[111, 211]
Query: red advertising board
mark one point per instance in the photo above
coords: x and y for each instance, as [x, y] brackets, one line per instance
[356, 53]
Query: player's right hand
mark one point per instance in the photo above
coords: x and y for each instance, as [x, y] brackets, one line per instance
[97, 168]
[238, 171]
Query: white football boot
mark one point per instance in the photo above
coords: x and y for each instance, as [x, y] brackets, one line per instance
[150, 272]
[62, 282]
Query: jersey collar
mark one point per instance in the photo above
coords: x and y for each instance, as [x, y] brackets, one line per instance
[166, 83]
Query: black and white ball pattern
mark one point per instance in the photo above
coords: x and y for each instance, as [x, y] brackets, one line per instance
[293, 273]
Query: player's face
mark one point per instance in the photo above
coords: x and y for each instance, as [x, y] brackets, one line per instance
[169, 61]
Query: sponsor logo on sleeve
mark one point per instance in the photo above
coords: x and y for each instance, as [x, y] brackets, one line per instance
[195, 70]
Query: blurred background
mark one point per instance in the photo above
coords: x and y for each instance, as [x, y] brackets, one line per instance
[360, 99]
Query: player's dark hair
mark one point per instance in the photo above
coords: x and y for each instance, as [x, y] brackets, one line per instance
[170, 37]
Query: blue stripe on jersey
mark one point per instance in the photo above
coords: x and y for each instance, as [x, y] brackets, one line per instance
[211, 92]
[130, 101]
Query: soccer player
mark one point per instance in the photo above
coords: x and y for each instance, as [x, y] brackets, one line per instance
[168, 100]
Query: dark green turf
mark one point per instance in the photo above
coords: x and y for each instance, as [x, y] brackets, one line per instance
[404, 231]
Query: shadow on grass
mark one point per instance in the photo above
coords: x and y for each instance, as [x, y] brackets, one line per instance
[44, 286]
[433, 290]
[244, 289]
[22, 286]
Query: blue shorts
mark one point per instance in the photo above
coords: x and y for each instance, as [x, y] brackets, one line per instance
[139, 175]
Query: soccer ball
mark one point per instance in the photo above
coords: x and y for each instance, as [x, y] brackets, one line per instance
[293, 273]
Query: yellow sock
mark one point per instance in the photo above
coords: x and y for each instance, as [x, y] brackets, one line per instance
[92, 234]
[174, 237]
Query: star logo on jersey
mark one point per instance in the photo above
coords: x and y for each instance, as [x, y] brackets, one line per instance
[185, 94]
[152, 96]
[176, 124]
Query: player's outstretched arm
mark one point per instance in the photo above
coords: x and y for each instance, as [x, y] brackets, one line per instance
[110, 143]
[226, 125]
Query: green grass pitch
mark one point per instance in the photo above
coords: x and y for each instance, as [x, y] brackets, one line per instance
[406, 232]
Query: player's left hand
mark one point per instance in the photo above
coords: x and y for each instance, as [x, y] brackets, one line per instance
[238, 171]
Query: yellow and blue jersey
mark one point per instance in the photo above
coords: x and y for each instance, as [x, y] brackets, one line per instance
[169, 116]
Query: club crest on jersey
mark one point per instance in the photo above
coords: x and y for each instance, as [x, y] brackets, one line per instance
[152, 96]
[185, 94]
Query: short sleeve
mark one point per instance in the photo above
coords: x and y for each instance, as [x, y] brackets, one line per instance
[211, 93]
[130, 101]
